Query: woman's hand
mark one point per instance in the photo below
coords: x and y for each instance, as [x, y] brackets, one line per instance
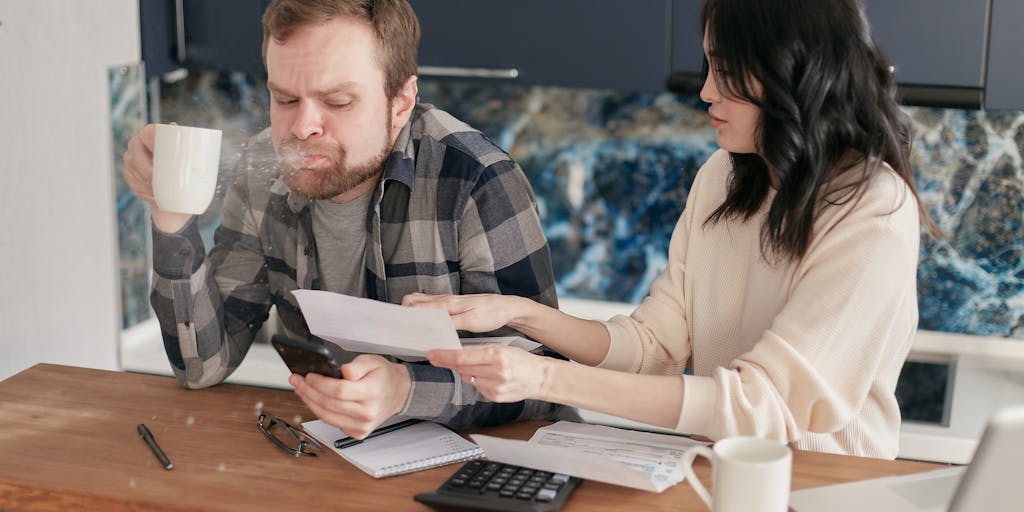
[500, 373]
[138, 175]
[583, 341]
[474, 313]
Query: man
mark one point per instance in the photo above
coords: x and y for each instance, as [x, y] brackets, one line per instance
[357, 189]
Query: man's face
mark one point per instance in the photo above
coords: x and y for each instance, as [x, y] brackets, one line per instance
[331, 120]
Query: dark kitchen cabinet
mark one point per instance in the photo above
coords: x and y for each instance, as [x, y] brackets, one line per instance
[950, 53]
[157, 34]
[937, 47]
[224, 34]
[1005, 78]
[687, 46]
[575, 43]
[954, 53]
[202, 35]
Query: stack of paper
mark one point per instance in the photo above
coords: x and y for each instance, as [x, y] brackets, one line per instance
[642, 460]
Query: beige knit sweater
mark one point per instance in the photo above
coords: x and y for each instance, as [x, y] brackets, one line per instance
[804, 351]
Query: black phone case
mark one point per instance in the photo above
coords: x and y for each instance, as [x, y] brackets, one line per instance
[303, 357]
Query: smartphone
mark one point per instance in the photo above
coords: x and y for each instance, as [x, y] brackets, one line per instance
[303, 356]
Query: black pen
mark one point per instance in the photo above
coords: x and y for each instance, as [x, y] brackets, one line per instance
[345, 442]
[155, 447]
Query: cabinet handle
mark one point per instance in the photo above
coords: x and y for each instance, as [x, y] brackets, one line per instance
[179, 28]
[505, 74]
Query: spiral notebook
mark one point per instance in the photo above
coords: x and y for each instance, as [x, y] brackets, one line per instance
[423, 445]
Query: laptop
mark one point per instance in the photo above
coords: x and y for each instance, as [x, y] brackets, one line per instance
[991, 482]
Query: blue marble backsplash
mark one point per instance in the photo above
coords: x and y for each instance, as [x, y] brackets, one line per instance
[128, 116]
[611, 171]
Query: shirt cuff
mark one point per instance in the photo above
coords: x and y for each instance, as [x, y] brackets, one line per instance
[698, 404]
[621, 354]
[430, 392]
[178, 255]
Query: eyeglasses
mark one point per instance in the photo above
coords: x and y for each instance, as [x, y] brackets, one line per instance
[306, 445]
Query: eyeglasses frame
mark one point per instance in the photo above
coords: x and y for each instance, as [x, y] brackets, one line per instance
[304, 439]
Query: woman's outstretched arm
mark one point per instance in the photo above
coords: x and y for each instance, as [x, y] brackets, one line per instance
[508, 374]
[584, 341]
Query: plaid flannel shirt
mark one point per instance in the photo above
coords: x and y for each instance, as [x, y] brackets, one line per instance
[452, 213]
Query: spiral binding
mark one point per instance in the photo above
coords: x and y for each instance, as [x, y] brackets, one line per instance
[430, 462]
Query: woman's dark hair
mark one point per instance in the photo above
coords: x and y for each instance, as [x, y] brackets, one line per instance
[826, 94]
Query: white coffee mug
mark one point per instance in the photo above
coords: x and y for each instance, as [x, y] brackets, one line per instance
[185, 162]
[747, 474]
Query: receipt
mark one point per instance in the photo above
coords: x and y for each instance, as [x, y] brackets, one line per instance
[641, 460]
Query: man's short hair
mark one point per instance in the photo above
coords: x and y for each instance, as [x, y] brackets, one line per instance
[394, 22]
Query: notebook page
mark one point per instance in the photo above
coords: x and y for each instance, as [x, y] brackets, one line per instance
[420, 446]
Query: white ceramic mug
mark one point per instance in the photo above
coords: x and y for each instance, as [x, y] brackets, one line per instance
[185, 162]
[747, 474]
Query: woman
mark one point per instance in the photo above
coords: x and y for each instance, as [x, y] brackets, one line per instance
[791, 283]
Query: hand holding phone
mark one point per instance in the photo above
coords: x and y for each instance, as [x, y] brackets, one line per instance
[303, 357]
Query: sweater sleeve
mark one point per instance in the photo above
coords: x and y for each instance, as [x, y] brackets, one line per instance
[840, 338]
[655, 337]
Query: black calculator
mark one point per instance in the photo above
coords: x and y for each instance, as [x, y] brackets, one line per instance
[487, 485]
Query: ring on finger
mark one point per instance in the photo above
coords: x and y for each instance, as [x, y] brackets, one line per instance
[472, 380]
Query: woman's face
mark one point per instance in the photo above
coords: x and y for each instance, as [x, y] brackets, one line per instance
[735, 118]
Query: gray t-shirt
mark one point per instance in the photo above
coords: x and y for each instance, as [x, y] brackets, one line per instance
[340, 232]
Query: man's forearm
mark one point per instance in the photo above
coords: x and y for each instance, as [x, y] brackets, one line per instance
[177, 295]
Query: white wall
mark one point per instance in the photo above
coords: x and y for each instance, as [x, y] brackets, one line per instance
[59, 299]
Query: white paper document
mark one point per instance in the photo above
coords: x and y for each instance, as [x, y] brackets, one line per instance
[375, 327]
[512, 341]
[642, 460]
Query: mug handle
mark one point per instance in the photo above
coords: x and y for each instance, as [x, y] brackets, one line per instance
[691, 476]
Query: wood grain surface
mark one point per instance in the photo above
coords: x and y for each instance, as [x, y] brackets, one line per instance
[68, 442]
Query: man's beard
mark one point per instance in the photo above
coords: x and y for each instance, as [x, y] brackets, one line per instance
[336, 178]
[325, 181]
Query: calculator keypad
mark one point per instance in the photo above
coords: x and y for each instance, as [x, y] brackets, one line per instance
[487, 485]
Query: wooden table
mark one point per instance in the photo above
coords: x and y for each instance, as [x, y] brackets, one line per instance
[68, 442]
